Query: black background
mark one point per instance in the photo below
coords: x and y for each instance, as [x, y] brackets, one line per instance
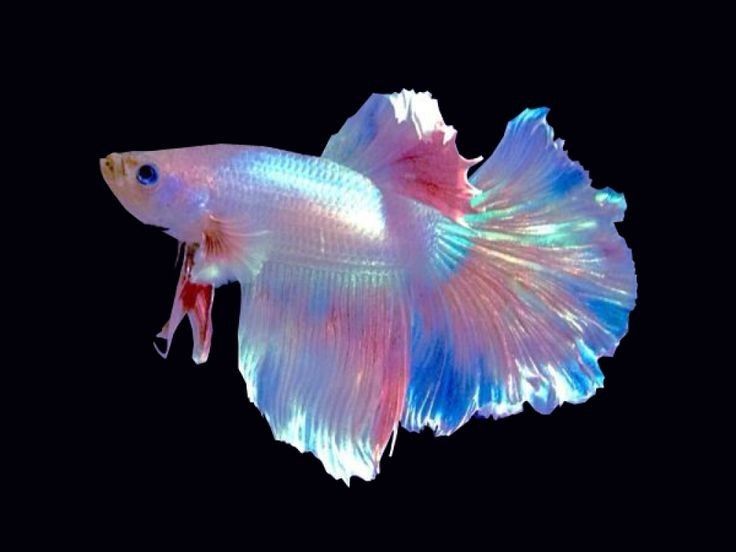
[139, 444]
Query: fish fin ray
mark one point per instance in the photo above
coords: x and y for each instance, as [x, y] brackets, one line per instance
[537, 286]
[230, 251]
[401, 142]
[193, 300]
[324, 356]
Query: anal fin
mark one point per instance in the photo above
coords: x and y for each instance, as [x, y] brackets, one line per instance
[324, 356]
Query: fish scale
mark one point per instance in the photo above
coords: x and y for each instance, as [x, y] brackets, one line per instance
[327, 213]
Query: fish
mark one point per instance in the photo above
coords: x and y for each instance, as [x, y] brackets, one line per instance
[391, 282]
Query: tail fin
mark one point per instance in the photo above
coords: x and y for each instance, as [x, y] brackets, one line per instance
[530, 282]
[541, 287]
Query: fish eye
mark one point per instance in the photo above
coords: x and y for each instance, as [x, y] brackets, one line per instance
[147, 175]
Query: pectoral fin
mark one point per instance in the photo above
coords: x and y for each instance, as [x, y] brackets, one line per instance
[231, 251]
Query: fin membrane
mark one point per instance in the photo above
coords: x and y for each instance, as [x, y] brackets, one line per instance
[541, 286]
[401, 142]
[193, 300]
[324, 355]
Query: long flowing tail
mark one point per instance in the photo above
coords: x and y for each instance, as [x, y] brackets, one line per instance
[529, 281]
[541, 287]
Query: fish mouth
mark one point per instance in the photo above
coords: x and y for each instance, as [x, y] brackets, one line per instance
[110, 167]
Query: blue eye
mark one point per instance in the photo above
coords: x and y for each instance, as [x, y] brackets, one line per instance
[147, 175]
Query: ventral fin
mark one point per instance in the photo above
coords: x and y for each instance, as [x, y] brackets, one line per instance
[195, 301]
[401, 142]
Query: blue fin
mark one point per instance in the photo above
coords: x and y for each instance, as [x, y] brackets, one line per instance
[541, 286]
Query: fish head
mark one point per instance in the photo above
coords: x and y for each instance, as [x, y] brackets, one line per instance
[166, 188]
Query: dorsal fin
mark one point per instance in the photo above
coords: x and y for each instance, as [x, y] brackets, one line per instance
[401, 142]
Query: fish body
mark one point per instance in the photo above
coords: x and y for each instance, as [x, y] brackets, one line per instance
[382, 286]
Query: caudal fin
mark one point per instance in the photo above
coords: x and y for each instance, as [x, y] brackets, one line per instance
[541, 286]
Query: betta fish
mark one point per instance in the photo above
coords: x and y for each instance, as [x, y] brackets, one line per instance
[382, 285]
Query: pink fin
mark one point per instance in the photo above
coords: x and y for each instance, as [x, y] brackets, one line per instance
[401, 142]
[537, 286]
[325, 358]
[229, 252]
[195, 301]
